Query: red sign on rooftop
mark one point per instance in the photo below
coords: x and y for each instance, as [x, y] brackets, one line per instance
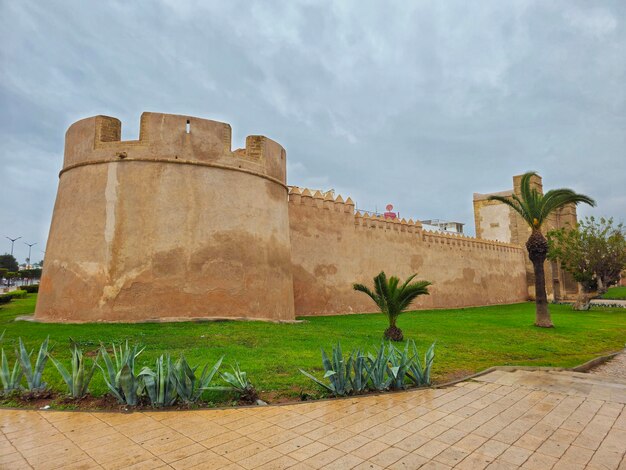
[389, 214]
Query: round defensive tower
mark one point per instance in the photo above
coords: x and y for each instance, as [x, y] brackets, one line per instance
[171, 226]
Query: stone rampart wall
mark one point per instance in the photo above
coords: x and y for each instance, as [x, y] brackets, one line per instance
[333, 247]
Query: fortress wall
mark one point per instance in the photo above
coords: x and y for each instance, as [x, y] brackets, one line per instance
[173, 225]
[332, 248]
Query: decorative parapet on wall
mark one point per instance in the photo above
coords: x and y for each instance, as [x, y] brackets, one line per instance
[171, 138]
[318, 201]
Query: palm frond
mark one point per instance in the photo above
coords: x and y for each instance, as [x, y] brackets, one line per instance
[534, 207]
[392, 297]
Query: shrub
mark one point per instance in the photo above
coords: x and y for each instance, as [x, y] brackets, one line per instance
[16, 294]
[30, 289]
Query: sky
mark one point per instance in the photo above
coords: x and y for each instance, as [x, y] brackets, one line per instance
[414, 103]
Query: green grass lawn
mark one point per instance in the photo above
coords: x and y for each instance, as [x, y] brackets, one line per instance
[468, 340]
[615, 293]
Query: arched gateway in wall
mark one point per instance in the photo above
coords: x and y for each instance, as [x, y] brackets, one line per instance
[176, 225]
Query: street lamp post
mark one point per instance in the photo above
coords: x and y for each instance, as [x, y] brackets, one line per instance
[30, 245]
[13, 240]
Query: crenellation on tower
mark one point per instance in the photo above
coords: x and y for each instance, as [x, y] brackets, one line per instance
[175, 138]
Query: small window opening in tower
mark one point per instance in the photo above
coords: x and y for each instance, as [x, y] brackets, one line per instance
[188, 127]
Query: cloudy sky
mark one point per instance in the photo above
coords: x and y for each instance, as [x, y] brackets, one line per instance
[418, 104]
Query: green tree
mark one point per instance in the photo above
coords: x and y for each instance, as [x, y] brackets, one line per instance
[8, 262]
[535, 208]
[10, 276]
[392, 299]
[594, 253]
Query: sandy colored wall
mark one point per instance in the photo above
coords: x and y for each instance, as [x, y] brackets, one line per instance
[332, 248]
[173, 225]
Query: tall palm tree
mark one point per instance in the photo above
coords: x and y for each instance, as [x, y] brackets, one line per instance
[535, 209]
[393, 300]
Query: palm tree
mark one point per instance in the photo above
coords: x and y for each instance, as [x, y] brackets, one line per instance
[393, 300]
[535, 209]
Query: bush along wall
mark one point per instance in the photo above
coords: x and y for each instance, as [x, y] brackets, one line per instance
[16, 294]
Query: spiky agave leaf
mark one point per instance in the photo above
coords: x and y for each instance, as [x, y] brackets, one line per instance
[185, 379]
[377, 369]
[129, 385]
[325, 386]
[360, 378]
[120, 376]
[33, 373]
[399, 363]
[10, 378]
[419, 372]
[78, 380]
[160, 384]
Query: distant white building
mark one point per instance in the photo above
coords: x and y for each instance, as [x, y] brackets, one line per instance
[442, 225]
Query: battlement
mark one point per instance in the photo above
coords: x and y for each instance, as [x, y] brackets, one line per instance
[316, 200]
[172, 138]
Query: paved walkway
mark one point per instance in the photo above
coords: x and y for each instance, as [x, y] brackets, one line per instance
[616, 367]
[502, 420]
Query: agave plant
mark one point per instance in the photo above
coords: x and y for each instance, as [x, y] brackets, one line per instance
[337, 371]
[188, 385]
[33, 373]
[392, 299]
[78, 381]
[420, 373]
[398, 366]
[11, 379]
[159, 384]
[360, 378]
[535, 208]
[240, 384]
[377, 369]
[120, 376]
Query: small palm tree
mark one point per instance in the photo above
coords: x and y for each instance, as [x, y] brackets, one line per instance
[393, 299]
[535, 209]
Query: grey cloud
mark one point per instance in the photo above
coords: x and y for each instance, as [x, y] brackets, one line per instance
[415, 103]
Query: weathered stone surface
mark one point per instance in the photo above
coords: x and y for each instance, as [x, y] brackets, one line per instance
[168, 226]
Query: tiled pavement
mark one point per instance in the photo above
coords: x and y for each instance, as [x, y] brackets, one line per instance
[503, 420]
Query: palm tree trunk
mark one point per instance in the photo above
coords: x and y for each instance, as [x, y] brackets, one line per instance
[537, 247]
[393, 332]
